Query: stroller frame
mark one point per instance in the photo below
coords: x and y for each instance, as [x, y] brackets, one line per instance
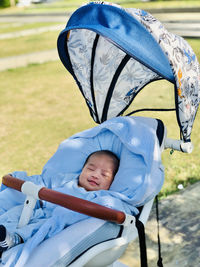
[97, 255]
[161, 64]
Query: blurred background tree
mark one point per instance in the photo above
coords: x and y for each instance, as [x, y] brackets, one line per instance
[7, 3]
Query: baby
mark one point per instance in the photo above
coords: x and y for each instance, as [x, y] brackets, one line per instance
[97, 174]
[99, 170]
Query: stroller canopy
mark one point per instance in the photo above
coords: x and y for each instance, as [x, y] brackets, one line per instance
[113, 53]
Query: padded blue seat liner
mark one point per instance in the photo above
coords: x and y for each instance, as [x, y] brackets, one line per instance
[106, 232]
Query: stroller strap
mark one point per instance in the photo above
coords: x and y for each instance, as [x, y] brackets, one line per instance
[142, 242]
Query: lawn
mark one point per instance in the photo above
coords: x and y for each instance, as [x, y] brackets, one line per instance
[38, 109]
[19, 26]
[71, 5]
[29, 44]
[40, 106]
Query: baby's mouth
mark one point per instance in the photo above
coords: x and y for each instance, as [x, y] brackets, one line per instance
[92, 182]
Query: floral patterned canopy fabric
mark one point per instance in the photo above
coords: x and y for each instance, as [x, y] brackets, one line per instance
[113, 53]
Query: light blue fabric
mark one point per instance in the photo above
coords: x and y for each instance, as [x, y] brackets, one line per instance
[132, 139]
[139, 179]
[51, 219]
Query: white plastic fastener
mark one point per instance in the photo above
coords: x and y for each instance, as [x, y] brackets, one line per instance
[31, 189]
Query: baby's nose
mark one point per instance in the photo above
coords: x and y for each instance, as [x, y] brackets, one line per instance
[97, 173]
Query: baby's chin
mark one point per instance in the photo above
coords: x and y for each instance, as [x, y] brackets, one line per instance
[92, 188]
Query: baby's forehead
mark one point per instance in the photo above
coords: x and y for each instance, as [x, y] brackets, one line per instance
[102, 156]
[101, 160]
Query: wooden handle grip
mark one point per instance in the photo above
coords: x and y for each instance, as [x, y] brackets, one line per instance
[73, 203]
[12, 182]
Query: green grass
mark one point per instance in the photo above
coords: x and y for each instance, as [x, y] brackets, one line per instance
[40, 106]
[14, 27]
[29, 44]
[71, 5]
[161, 4]
[195, 44]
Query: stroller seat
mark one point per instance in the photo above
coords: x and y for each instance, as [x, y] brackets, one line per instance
[101, 245]
[113, 53]
[94, 242]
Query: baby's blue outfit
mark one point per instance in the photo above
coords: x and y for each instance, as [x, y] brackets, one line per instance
[139, 179]
[60, 217]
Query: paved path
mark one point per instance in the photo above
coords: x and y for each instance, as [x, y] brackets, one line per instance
[186, 25]
[12, 35]
[26, 59]
[183, 28]
[179, 232]
[24, 18]
[183, 24]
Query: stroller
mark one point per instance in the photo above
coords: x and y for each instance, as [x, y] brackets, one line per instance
[112, 53]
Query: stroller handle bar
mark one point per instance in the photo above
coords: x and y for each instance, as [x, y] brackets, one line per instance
[67, 201]
[179, 145]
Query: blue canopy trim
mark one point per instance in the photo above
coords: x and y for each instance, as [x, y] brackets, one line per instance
[113, 53]
[124, 31]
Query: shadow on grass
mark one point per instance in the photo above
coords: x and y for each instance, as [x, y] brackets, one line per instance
[177, 182]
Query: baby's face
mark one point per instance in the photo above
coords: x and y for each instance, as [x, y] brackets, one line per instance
[98, 173]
